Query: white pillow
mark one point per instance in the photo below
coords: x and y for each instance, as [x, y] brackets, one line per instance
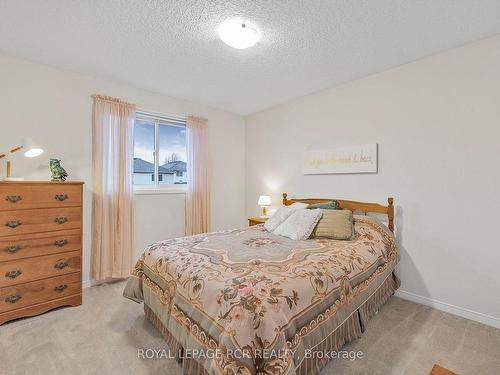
[279, 216]
[300, 224]
[298, 205]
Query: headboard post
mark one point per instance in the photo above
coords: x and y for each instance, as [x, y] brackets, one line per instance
[284, 198]
[390, 213]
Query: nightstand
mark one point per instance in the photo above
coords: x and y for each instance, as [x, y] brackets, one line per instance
[256, 220]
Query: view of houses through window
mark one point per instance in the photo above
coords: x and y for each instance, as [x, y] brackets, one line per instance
[159, 150]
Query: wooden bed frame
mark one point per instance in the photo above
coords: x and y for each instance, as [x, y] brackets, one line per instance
[353, 206]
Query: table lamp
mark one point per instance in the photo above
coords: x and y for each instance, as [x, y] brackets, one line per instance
[31, 150]
[264, 202]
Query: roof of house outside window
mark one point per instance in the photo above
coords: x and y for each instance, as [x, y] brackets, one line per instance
[175, 166]
[143, 166]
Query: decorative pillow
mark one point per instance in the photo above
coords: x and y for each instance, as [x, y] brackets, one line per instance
[298, 205]
[335, 224]
[332, 205]
[299, 225]
[279, 216]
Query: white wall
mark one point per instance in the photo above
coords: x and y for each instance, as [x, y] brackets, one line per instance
[437, 123]
[168, 218]
[55, 108]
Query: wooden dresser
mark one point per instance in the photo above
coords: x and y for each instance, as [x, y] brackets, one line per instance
[40, 247]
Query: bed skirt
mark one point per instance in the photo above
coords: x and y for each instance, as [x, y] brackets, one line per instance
[350, 329]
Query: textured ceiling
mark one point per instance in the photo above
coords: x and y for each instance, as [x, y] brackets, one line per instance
[172, 47]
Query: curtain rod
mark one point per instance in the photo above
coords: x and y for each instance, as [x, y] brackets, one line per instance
[141, 110]
[110, 99]
[162, 115]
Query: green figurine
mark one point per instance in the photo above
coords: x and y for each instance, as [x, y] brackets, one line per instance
[58, 172]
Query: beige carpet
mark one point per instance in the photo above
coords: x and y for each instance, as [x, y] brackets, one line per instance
[103, 335]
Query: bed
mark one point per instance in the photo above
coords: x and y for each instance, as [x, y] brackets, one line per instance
[246, 301]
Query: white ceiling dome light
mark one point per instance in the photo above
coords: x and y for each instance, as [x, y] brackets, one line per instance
[238, 34]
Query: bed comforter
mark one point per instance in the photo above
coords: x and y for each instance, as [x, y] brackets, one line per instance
[257, 300]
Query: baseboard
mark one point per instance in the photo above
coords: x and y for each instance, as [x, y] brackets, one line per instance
[87, 284]
[91, 283]
[452, 309]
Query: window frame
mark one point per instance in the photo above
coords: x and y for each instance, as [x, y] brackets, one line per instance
[158, 119]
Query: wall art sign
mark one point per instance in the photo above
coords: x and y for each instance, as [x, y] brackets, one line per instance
[352, 159]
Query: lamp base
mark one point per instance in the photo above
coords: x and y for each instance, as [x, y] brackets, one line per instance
[264, 213]
[13, 179]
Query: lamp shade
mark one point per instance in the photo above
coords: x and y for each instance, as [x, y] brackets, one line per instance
[31, 149]
[264, 201]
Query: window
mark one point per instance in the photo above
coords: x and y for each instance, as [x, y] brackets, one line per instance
[159, 151]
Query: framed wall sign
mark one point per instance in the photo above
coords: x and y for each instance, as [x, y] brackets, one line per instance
[352, 159]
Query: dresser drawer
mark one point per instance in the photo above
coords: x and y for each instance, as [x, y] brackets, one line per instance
[35, 221]
[16, 297]
[18, 247]
[22, 196]
[30, 269]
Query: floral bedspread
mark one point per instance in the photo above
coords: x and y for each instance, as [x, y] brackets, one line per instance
[249, 288]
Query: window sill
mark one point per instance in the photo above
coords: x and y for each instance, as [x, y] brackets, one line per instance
[159, 191]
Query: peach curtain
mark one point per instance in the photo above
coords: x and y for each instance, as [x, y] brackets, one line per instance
[113, 143]
[198, 170]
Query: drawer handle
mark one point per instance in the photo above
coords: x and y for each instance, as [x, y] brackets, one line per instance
[61, 265]
[13, 274]
[12, 249]
[61, 197]
[13, 299]
[12, 223]
[61, 220]
[60, 243]
[13, 198]
[60, 288]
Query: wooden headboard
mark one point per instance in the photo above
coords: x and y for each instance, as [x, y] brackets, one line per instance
[353, 206]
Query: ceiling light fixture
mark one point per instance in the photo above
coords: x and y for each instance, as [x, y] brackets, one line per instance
[238, 34]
